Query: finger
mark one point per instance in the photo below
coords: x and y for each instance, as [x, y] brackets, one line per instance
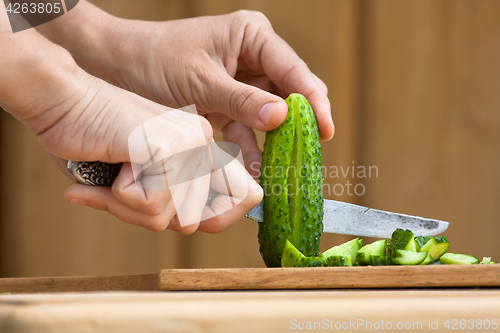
[321, 84]
[260, 81]
[243, 103]
[102, 198]
[191, 200]
[292, 75]
[218, 121]
[244, 137]
[140, 195]
[175, 225]
[221, 214]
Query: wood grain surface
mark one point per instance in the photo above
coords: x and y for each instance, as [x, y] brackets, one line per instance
[246, 312]
[331, 277]
[268, 279]
[143, 282]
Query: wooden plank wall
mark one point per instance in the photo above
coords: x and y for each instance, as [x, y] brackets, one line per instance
[430, 110]
[414, 87]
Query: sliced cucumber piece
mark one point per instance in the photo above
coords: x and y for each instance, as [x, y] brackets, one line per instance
[442, 239]
[436, 247]
[312, 262]
[378, 248]
[404, 257]
[431, 242]
[422, 240]
[412, 245]
[487, 260]
[399, 240]
[437, 251]
[380, 261]
[338, 261]
[458, 259]
[294, 258]
[349, 248]
[428, 260]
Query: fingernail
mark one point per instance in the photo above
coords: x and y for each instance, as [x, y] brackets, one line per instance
[267, 111]
[79, 202]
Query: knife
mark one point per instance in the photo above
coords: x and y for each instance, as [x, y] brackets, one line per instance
[339, 217]
[348, 219]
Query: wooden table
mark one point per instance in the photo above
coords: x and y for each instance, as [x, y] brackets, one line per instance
[249, 311]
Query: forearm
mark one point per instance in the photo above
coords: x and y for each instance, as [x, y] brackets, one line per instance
[32, 69]
[96, 40]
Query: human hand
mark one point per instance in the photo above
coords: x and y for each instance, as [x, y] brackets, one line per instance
[78, 117]
[234, 67]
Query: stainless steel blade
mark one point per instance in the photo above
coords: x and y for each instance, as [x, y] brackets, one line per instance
[349, 219]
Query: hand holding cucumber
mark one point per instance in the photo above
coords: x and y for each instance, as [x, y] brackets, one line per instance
[234, 68]
[77, 116]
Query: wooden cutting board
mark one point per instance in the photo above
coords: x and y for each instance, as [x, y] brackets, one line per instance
[270, 279]
[331, 277]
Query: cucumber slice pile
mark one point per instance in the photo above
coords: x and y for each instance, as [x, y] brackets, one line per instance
[402, 249]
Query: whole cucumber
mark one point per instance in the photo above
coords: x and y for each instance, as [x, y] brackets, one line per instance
[292, 179]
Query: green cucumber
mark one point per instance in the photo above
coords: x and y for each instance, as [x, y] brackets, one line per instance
[487, 260]
[458, 259]
[380, 261]
[435, 246]
[422, 240]
[349, 248]
[404, 257]
[336, 260]
[412, 245]
[342, 255]
[399, 240]
[294, 258]
[442, 239]
[377, 248]
[428, 260]
[292, 179]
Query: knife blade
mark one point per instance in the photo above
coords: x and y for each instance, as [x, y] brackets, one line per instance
[339, 217]
[349, 219]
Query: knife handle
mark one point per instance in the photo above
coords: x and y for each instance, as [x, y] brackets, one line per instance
[94, 173]
[104, 174]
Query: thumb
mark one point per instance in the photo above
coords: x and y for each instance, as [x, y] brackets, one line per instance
[244, 103]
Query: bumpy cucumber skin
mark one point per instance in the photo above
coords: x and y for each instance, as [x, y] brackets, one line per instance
[343, 261]
[376, 249]
[380, 261]
[292, 181]
[293, 258]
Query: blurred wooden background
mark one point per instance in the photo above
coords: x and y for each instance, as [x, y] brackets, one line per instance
[415, 91]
